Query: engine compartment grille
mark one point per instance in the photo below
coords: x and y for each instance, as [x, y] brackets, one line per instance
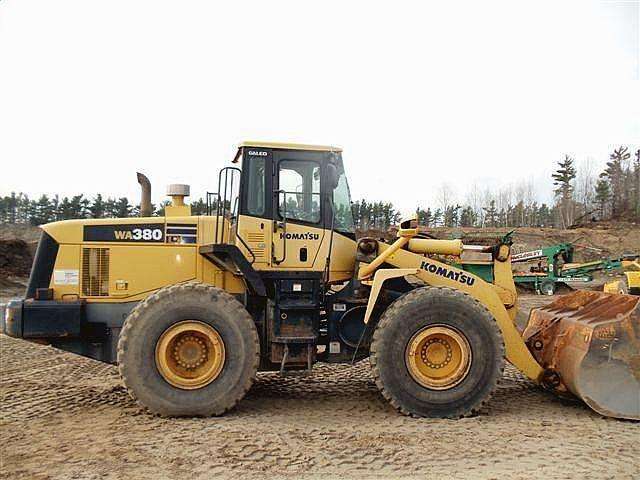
[95, 272]
[256, 243]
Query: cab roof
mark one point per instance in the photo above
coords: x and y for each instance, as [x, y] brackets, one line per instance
[291, 146]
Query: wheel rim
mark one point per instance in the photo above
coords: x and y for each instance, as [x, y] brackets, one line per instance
[438, 357]
[547, 288]
[190, 354]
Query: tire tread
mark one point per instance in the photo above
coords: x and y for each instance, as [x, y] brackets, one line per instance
[393, 311]
[217, 295]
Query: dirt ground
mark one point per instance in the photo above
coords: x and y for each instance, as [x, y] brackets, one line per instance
[63, 416]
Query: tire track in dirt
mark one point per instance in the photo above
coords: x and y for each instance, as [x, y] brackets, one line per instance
[65, 416]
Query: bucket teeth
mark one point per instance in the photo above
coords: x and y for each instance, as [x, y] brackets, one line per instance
[592, 341]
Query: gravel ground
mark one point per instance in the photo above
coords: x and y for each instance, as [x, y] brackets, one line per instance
[64, 416]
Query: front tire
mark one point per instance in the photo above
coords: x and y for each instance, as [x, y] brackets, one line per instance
[188, 350]
[437, 352]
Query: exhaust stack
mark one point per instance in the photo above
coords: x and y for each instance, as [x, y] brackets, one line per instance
[145, 198]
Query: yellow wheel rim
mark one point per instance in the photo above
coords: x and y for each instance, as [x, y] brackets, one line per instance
[438, 357]
[190, 354]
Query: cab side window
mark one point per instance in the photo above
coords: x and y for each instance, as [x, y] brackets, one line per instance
[299, 195]
[256, 187]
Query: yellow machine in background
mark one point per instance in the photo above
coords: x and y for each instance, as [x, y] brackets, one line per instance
[633, 282]
[630, 284]
[273, 278]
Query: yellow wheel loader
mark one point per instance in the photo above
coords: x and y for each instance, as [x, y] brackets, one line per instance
[274, 279]
[630, 283]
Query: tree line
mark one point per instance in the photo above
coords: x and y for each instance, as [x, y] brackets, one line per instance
[19, 208]
[580, 194]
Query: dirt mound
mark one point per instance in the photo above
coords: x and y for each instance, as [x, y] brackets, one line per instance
[11, 231]
[597, 241]
[15, 258]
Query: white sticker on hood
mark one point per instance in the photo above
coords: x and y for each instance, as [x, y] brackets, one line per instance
[66, 277]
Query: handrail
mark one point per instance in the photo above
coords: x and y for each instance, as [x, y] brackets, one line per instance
[225, 199]
[284, 227]
[224, 207]
[235, 214]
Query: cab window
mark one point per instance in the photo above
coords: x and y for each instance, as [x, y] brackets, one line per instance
[256, 187]
[299, 190]
[343, 217]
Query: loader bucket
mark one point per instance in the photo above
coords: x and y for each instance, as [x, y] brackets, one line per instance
[589, 344]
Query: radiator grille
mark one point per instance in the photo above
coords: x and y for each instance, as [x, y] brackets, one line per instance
[95, 272]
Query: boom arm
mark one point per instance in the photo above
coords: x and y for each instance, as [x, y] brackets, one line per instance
[498, 298]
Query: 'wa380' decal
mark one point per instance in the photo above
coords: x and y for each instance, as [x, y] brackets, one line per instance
[148, 233]
[138, 234]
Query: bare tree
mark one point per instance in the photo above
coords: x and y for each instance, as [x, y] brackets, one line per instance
[445, 196]
[585, 185]
[473, 198]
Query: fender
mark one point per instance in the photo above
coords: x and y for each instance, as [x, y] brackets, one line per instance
[378, 279]
[440, 274]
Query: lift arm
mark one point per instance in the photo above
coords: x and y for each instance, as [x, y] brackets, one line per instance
[439, 274]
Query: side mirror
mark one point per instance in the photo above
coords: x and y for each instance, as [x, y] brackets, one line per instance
[332, 176]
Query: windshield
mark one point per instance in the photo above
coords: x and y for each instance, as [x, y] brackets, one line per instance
[343, 217]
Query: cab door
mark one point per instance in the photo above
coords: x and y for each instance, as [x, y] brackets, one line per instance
[298, 229]
[254, 221]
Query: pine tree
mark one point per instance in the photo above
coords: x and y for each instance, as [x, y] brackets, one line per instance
[77, 206]
[615, 176]
[55, 206]
[122, 208]
[97, 207]
[355, 213]
[110, 208]
[603, 194]
[64, 209]
[491, 214]
[198, 207]
[451, 216]
[563, 180]
[161, 208]
[467, 217]
[43, 211]
[424, 217]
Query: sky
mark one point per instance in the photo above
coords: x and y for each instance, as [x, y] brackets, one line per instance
[417, 93]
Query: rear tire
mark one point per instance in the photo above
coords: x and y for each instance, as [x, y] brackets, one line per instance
[214, 312]
[426, 311]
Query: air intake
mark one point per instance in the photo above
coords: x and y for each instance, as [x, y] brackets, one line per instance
[95, 272]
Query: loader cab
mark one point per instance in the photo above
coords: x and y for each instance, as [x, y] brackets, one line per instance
[293, 226]
[291, 199]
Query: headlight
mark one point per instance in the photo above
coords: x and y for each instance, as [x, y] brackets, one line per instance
[11, 319]
[5, 319]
